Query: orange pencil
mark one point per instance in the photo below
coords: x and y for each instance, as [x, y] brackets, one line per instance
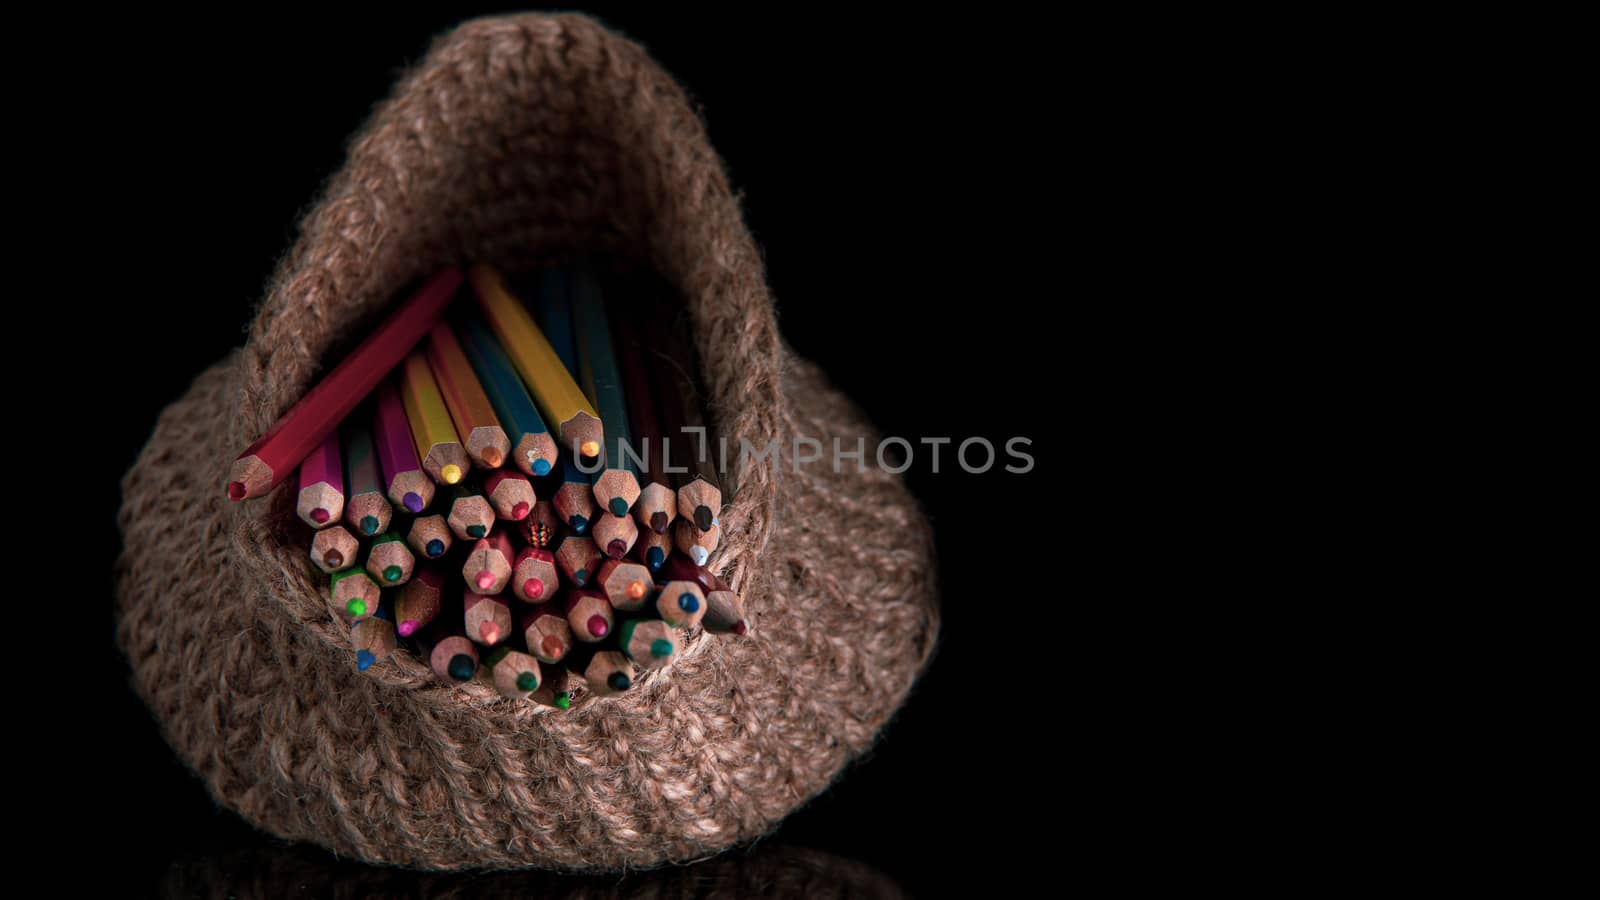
[469, 406]
[626, 584]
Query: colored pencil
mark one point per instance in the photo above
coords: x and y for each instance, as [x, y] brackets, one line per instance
[408, 486]
[724, 608]
[428, 536]
[373, 637]
[454, 659]
[513, 673]
[321, 499]
[657, 505]
[533, 577]
[540, 527]
[696, 544]
[486, 618]
[616, 488]
[652, 549]
[680, 604]
[615, 535]
[468, 513]
[366, 509]
[297, 432]
[649, 643]
[334, 548]
[627, 585]
[480, 430]
[588, 612]
[533, 449]
[673, 368]
[443, 457]
[510, 493]
[488, 567]
[577, 558]
[418, 603]
[554, 686]
[558, 396]
[389, 561]
[354, 593]
[547, 634]
[574, 499]
[605, 672]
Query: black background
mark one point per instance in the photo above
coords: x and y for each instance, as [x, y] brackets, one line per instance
[920, 192]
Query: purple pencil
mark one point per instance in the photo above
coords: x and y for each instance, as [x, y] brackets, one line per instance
[409, 486]
[321, 500]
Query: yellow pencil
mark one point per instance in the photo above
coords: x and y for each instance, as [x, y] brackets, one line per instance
[559, 398]
[437, 442]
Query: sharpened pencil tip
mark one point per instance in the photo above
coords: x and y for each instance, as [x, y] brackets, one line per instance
[541, 467]
[356, 607]
[434, 549]
[485, 580]
[527, 681]
[688, 602]
[660, 647]
[461, 667]
[493, 458]
[333, 558]
[412, 501]
[364, 660]
[369, 524]
[580, 524]
[740, 627]
[521, 510]
[619, 507]
[237, 490]
[407, 627]
[619, 681]
[319, 515]
[533, 589]
[597, 626]
[616, 548]
[392, 574]
[490, 632]
[451, 473]
[703, 518]
[659, 522]
[635, 590]
[654, 558]
[476, 531]
[552, 646]
[699, 555]
[589, 449]
[563, 700]
[580, 577]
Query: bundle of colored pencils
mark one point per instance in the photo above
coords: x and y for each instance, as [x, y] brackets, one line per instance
[429, 451]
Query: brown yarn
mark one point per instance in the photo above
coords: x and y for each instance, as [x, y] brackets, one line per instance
[521, 139]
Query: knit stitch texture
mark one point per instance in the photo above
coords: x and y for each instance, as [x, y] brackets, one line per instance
[516, 140]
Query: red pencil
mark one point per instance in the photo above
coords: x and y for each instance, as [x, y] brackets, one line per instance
[308, 423]
[626, 584]
[510, 493]
[533, 578]
[588, 612]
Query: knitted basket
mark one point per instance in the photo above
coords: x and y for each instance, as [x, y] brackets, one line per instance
[516, 140]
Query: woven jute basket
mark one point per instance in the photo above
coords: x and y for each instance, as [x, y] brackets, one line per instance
[517, 140]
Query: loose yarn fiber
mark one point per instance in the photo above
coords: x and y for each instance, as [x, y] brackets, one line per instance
[520, 139]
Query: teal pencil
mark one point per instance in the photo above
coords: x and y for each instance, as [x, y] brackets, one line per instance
[617, 488]
[532, 446]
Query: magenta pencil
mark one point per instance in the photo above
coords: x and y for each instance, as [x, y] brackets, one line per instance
[409, 487]
[321, 500]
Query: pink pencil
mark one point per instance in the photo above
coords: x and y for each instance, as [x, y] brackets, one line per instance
[408, 485]
[321, 500]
